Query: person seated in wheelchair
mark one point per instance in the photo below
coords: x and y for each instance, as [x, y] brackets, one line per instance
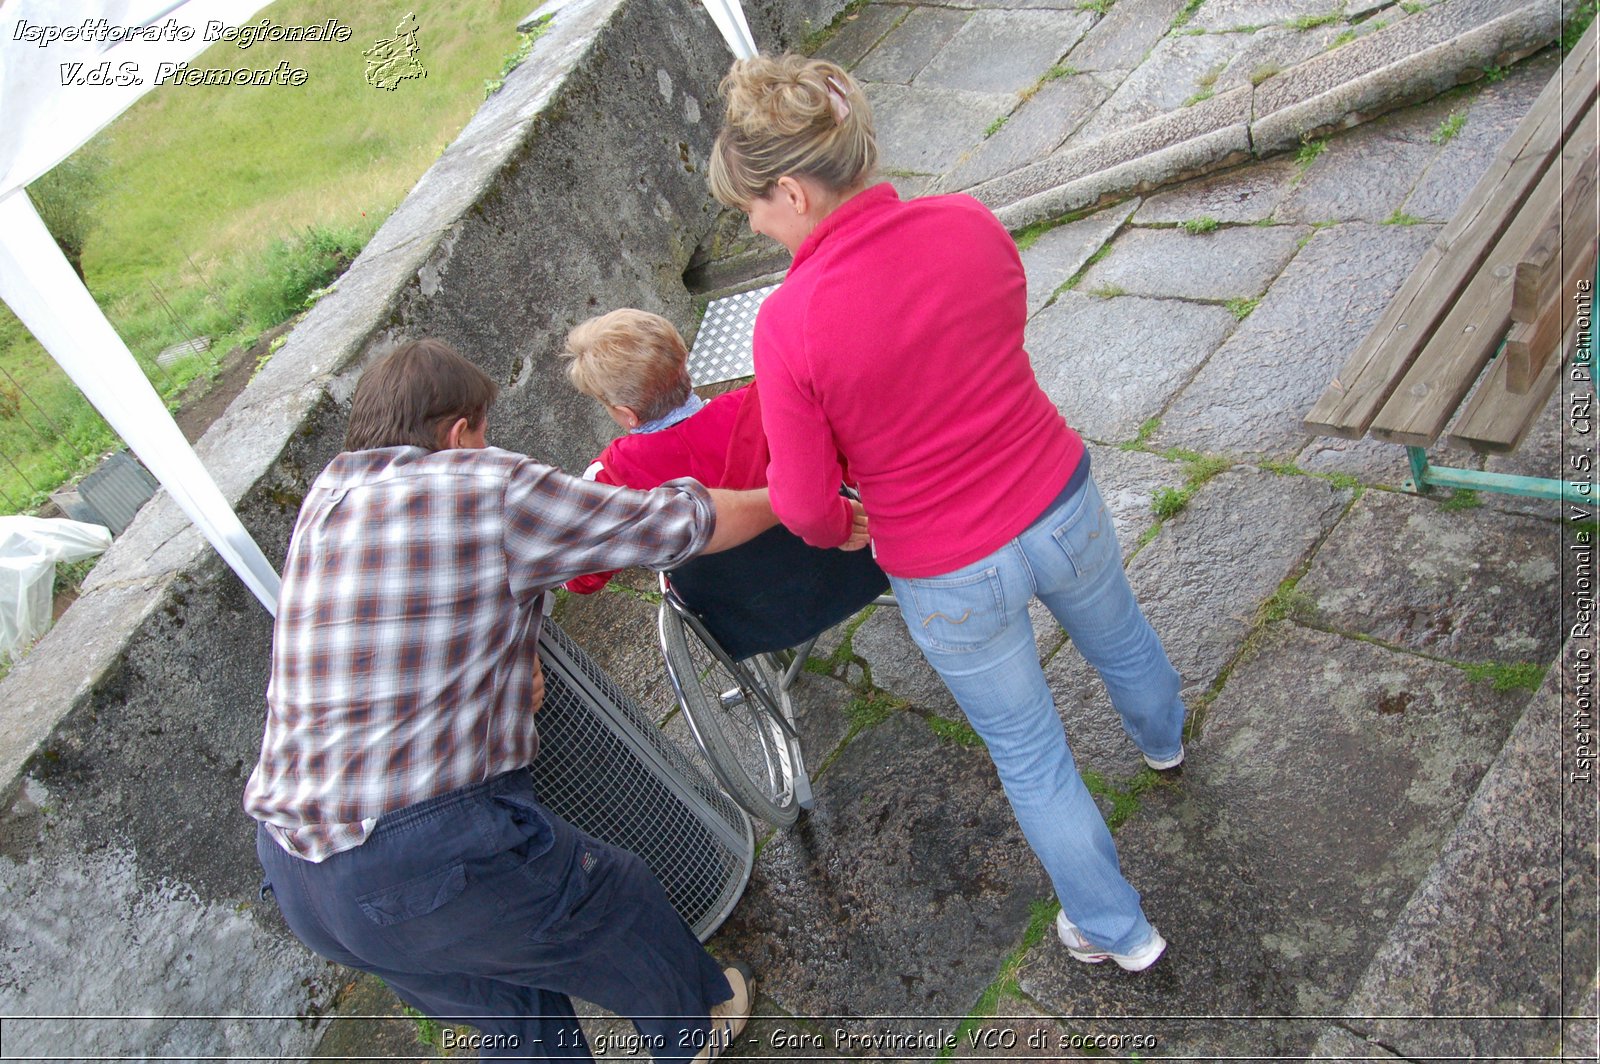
[772, 593]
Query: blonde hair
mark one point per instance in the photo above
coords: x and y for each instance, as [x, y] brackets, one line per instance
[630, 358]
[790, 115]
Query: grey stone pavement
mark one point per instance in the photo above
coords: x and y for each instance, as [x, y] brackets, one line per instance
[1373, 851]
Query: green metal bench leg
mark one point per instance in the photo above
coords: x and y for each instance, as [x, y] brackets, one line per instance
[1425, 475]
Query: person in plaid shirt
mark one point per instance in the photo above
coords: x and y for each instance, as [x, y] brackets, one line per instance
[397, 823]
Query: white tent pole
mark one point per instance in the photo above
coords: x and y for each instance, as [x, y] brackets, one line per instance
[40, 287]
[729, 17]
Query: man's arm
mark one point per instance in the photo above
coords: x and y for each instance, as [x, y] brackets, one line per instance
[741, 516]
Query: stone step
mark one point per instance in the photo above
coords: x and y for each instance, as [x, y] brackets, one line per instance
[1497, 944]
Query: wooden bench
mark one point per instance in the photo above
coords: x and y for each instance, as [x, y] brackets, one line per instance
[1503, 282]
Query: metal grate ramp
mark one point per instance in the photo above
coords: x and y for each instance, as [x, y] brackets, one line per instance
[723, 346]
[605, 767]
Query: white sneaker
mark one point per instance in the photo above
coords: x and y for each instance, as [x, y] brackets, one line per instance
[728, 1019]
[1164, 764]
[1081, 948]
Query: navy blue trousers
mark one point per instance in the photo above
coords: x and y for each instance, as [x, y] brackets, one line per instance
[482, 907]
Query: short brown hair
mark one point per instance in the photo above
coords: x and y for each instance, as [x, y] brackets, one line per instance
[413, 394]
[790, 115]
[630, 358]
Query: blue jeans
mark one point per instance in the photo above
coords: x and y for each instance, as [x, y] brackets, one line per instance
[973, 627]
[482, 907]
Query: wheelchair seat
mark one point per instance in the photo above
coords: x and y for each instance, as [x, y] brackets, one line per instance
[776, 591]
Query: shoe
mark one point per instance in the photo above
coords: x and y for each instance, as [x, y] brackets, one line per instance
[1082, 950]
[1165, 764]
[728, 1019]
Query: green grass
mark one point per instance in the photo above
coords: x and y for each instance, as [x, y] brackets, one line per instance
[1182, 18]
[955, 731]
[994, 127]
[1492, 74]
[1241, 308]
[1307, 154]
[1146, 430]
[1399, 217]
[1265, 71]
[1311, 22]
[1449, 128]
[1411, 7]
[518, 55]
[1578, 24]
[1169, 502]
[1199, 97]
[213, 196]
[1521, 676]
[1041, 920]
[1343, 39]
[1059, 71]
[1460, 500]
[1099, 7]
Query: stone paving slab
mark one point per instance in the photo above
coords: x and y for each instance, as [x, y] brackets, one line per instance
[905, 50]
[1496, 904]
[1469, 585]
[1111, 364]
[1227, 263]
[1052, 259]
[1251, 395]
[860, 32]
[898, 896]
[1245, 195]
[1178, 68]
[1124, 37]
[1032, 131]
[1239, 537]
[1362, 176]
[1215, 15]
[1273, 50]
[925, 131]
[1297, 761]
[1004, 51]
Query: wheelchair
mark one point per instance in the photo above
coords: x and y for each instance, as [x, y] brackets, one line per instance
[735, 629]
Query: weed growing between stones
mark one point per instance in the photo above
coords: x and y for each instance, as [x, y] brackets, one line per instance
[1343, 39]
[1072, 282]
[1399, 217]
[1182, 18]
[1169, 502]
[1461, 499]
[1492, 74]
[1241, 308]
[1449, 128]
[1099, 7]
[1411, 7]
[1108, 291]
[1520, 676]
[1059, 71]
[1263, 72]
[525, 43]
[427, 1028]
[954, 731]
[1311, 22]
[1041, 920]
[1308, 153]
[1146, 430]
[1196, 226]
[994, 127]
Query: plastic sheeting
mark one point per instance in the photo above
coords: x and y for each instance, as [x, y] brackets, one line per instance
[30, 547]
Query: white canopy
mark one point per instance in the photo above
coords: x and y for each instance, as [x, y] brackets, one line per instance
[44, 121]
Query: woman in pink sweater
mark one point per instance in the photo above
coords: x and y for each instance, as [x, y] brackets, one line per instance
[896, 342]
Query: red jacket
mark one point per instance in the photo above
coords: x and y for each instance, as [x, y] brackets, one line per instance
[896, 342]
[721, 445]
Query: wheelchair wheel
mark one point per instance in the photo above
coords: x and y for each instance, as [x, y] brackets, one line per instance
[732, 710]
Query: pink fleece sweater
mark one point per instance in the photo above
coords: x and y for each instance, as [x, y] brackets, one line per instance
[896, 341]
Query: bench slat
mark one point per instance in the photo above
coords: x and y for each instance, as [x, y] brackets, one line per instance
[1497, 419]
[1540, 272]
[1369, 377]
[1463, 343]
[1530, 346]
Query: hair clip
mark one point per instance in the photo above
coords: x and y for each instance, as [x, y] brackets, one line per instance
[836, 97]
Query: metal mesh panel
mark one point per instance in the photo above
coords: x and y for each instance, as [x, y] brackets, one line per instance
[606, 768]
[723, 346]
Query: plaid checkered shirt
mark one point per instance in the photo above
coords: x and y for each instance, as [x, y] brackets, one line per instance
[404, 648]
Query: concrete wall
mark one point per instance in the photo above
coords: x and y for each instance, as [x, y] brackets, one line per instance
[128, 881]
